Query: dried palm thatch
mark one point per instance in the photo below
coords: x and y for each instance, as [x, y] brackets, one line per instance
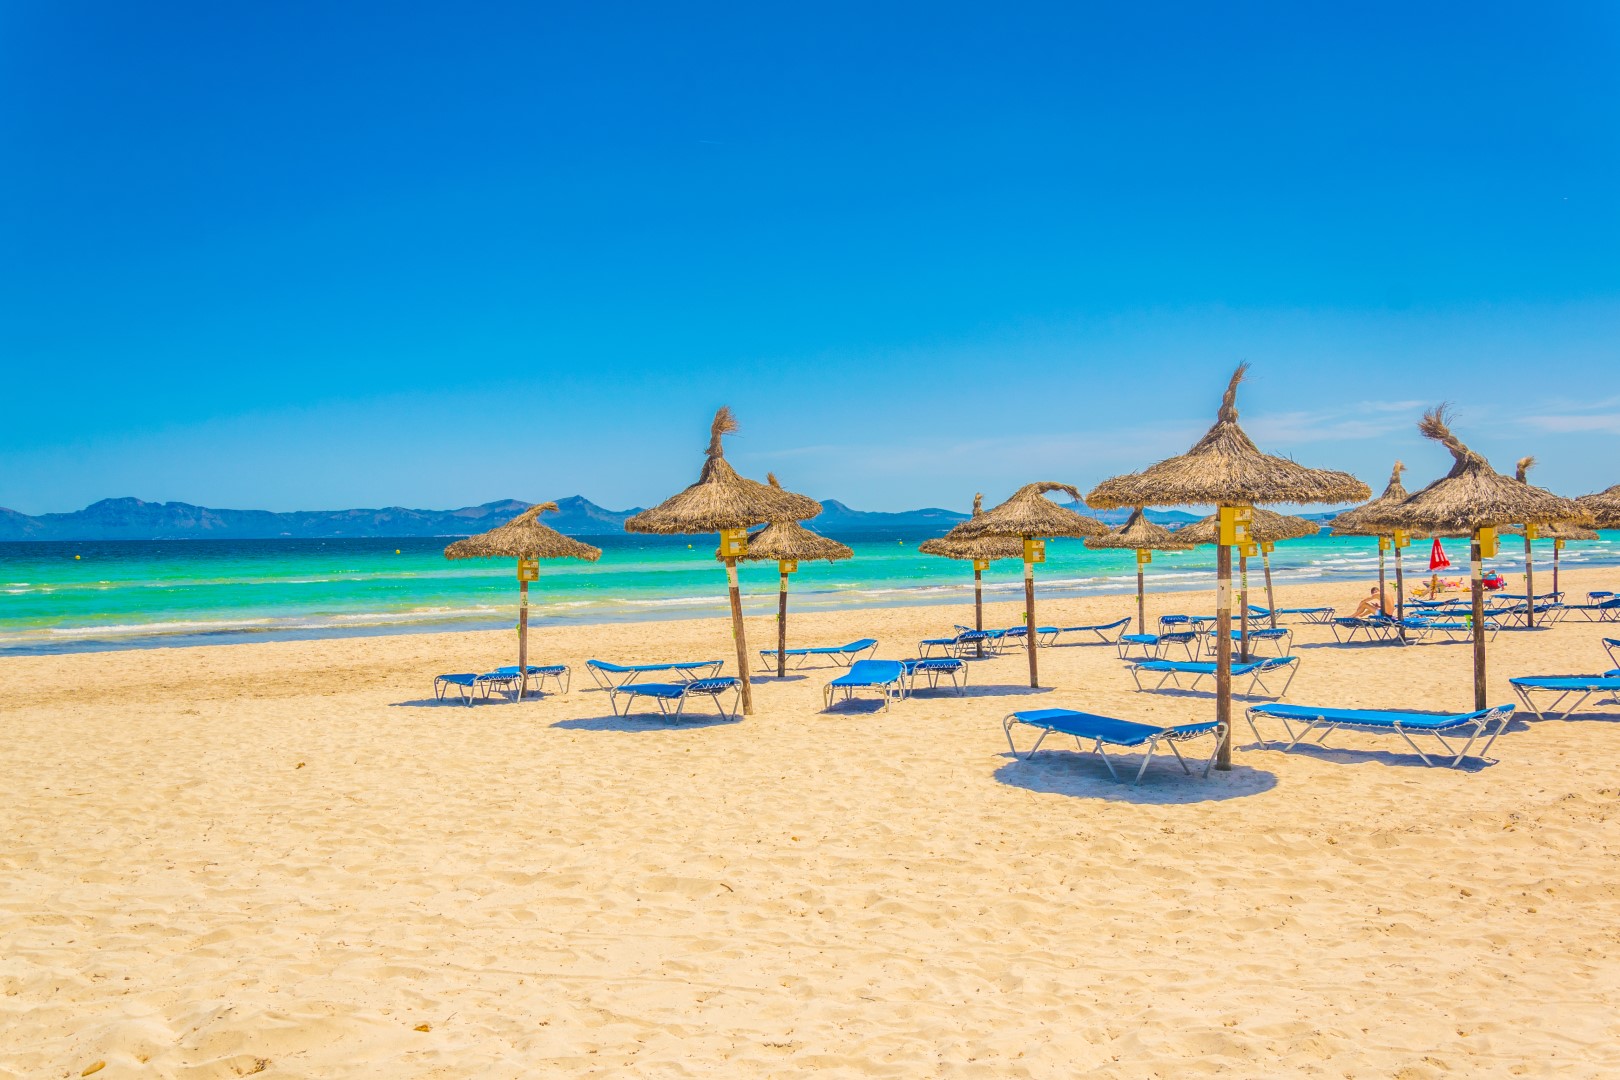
[721, 499]
[1554, 530]
[1353, 521]
[789, 541]
[1265, 527]
[1557, 530]
[1604, 508]
[1472, 495]
[1225, 468]
[1140, 534]
[984, 548]
[1029, 513]
[524, 537]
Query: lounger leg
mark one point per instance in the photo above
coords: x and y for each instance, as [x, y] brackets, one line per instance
[1147, 756]
[1172, 744]
[1259, 738]
[1100, 752]
[1415, 747]
[1220, 737]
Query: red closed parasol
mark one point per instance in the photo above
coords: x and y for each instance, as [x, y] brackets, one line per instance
[1437, 557]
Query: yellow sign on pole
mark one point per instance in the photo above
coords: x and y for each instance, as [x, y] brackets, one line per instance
[1234, 525]
[1558, 543]
[787, 566]
[1487, 543]
[1249, 550]
[528, 569]
[1383, 543]
[1268, 547]
[733, 543]
[1143, 556]
[1034, 549]
[1531, 532]
[981, 565]
[1402, 538]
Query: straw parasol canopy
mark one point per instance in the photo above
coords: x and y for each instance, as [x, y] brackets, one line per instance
[524, 537]
[1553, 530]
[984, 548]
[788, 541]
[1029, 513]
[721, 499]
[1472, 495]
[1353, 522]
[1225, 468]
[1604, 507]
[1140, 535]
[1266, 527]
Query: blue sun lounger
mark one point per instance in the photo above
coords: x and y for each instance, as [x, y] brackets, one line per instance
[964, 643]
[1103, 731]
[607, 676]
[1319, 615]
[1170, 671]
[1404, 724]
[842, 655]
[1280, 639]
[1376, 628]
[1565, 687]
[1452, 629]
[1106, 633]
[539, 673]
[665, 695]
[1154, 646]
[887, 678]
[470, 684]
[1597, 609]
[1613, 647]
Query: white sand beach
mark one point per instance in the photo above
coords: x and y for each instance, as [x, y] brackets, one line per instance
[283, 859]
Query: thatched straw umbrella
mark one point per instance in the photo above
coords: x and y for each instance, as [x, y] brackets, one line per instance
[1267, 528]
[1142, 536]
[789, 543]
[1604, 508]
[1472, 500]
[1558, 532]
[1353, 522]
[1034, 519]
[723, 502]
[526, 540]
[982, 551]
[1225, 469]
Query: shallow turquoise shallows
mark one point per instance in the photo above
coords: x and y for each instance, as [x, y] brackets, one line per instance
[119, 594]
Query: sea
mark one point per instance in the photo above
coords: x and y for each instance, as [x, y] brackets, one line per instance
[84, 596]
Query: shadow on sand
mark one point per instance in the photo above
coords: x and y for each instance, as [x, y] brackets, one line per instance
[1080, 775]
[641, 723]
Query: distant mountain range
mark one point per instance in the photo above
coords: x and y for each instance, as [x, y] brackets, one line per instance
[133, 519]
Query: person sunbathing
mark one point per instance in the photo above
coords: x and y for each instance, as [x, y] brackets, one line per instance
[1371, 606]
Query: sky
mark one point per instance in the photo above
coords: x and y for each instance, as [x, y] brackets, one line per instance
[310, 255]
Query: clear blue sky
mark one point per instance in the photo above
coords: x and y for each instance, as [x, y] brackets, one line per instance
[319, 255]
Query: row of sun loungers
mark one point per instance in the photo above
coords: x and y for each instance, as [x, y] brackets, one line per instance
[469, 686]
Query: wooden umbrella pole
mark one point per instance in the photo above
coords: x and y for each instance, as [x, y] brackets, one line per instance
[741, 638]
[1383, 591]
[1141, 603]
[1243, 608]
[1477, 571]
[1029, 622]
[1555, 570]
[1400, 595]
[1271, 597]
[1529, 584]
[1223, 653]
[523, 636]
[781, 628]
[978, 609]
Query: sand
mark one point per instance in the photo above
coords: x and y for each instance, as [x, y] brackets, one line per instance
[283, 859]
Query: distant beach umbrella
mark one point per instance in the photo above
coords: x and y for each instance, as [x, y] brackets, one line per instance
[1558, 532]
[1604, 508]
[1473, 500]
[1142, 536]
[1267, 529]
[1353, 522]
[1226, 470]
[789, 543]
[982, 551]
[1032, 518]
[723, 502]
[525, 539]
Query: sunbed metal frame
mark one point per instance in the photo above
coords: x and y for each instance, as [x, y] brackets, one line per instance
[468, 683]
[1328, 721]
[561, 674]
[1171, 670]
[1587, 686]
[1154, 645]
[889, 690]
[1108, 730]
[1282, 638]
[664, 693]
[934, 668]
[842, 655]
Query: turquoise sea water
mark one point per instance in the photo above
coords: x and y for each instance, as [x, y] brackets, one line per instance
[123, 594]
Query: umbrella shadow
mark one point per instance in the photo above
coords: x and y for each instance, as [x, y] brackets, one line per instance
[1078, 774]
[434, 703]
[1408, 760]
[999, 690]
[1207, 695]
[642, 723]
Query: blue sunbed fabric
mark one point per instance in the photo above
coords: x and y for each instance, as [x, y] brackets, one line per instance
[469, 684]
[1406, 724]
[1110, 731]
[887, 677]
[666, 694]
[841, 654]
[1564, 687]
[934, 668]
[1254, 670]
[609, 675]
[539, 673]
